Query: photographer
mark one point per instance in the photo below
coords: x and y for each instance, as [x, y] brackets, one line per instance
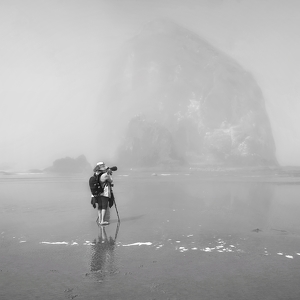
[103, 180]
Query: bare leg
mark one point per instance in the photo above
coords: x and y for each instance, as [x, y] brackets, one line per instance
[99, 216]
[107, 214]
[102, 215]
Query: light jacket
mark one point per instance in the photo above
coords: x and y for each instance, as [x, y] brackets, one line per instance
[106, 181]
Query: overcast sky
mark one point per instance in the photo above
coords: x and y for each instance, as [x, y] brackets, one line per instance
[55, 55]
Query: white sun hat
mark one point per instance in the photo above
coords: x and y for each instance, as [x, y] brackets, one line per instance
[100, 166]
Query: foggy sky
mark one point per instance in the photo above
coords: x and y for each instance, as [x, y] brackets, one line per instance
[55, 56]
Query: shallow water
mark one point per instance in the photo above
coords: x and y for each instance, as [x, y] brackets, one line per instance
[183, 235]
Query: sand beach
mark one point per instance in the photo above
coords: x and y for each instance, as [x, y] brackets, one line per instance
[182, 235]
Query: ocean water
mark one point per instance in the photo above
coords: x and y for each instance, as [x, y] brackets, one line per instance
[192, 234]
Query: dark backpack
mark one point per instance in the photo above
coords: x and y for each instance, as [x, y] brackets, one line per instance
[96, 188]
[95, 185]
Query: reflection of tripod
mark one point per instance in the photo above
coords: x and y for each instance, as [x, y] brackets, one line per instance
[102, 237]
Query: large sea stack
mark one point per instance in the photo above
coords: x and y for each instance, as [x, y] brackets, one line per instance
[177, 99]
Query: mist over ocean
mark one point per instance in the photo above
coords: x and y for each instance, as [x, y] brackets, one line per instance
[230, 233]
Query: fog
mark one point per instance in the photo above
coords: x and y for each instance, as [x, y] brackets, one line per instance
[55, 57]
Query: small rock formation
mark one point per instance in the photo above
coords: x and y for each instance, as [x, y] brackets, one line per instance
[70, 165]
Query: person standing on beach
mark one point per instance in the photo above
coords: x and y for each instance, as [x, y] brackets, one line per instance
[103, 177]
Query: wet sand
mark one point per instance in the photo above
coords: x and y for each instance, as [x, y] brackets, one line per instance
[181, 236]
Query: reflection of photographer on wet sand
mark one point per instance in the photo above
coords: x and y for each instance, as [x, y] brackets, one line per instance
[102, 259]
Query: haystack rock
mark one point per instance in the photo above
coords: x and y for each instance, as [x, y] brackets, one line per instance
[181, 100]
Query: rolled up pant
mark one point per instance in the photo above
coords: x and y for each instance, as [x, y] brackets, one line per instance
[102, 202]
